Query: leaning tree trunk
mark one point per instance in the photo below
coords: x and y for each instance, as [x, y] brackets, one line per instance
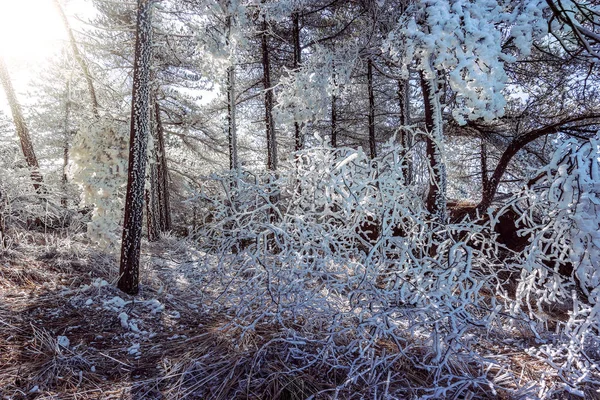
[79, 58]
[436, 198]
[22, 130]
[372, 142]
[140, 129]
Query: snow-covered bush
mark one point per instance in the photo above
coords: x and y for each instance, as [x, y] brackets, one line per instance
[348, 262]
[561, 264]
[99, 157]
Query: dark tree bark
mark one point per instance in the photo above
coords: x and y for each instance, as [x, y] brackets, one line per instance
[269, 123]
[79, 58]
[152, 216]
[405, 136]
[140, 129]
[3, 236]
[297, 60]
[231, 126]
[484, 173]
[436, 197]
[491, 187]
[334, 128]
[231, 108]
[372, 142]
[334, 113]
[21, 126]
[162, 173]
[66, 143]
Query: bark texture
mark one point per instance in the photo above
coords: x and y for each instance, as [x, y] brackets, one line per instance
[405, 136]
[21, 126]
[334, 112]
[66, 143]
[298, 139]
[138, 140]
[162, 173]
[231, 108]
[436, 197]
[372, 142]
[269, 123]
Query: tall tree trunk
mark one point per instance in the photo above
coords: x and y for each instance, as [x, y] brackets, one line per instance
[297, 60]
[270, 130]
[436, 198]
[334, 112]
[154, 217]
[152, 222]
[79, 58]
[485, 182]
[231, 125]
[334, 128]
[21, 126]
[162, 173]
[372, 142]
[231, 122]
[66, 143]
[269, 123]
[405, 136]
[140, 129]
[3, 233]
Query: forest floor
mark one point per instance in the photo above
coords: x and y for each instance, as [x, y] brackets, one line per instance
[67, 332]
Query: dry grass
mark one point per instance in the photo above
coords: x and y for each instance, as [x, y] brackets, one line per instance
[188, 347]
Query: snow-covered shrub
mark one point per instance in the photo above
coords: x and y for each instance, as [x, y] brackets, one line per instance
[563, 210]
[561, 264]
[349, 262]
[99, 156]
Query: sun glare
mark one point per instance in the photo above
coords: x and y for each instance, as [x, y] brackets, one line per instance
[30, 30]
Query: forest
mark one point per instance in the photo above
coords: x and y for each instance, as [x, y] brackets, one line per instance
[300, 199]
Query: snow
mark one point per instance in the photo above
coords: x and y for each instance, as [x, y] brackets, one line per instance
[63, 341]
[134, 349]
[463, 40]
[155, 306]
[116, 303]
[123, 317]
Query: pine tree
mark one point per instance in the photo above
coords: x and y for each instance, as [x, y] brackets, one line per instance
[140, 130]
[22, 129]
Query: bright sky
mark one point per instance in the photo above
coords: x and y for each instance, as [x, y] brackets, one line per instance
[31, 31]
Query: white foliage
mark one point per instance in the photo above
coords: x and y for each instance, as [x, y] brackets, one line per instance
[99, 165]
[565, 214]
[351, 249]
[463, 40]
[561, 264]
[305, 95]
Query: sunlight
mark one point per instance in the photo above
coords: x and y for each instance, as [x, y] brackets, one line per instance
[30, 30]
